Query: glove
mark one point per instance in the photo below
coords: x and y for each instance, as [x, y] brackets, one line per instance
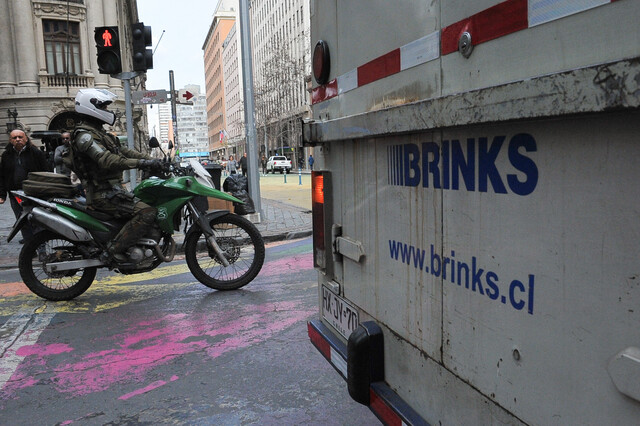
[167, 167]
[150, 164]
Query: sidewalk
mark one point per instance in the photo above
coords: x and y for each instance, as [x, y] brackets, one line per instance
[279, 221]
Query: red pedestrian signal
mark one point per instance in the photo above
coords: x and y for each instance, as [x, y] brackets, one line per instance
[108, 50]
[107, 36]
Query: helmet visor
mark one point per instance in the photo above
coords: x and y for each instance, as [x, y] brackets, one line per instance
[100, 104]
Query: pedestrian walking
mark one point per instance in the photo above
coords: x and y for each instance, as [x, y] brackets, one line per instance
[243, 164]
[61, 151]
[19, 159]
[311, 161]
[232, 166]
[263, 162]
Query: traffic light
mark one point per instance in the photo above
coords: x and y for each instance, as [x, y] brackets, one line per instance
[108, 47]
[142, 57]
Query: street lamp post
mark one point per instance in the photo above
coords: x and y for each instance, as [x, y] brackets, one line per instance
[12, 114]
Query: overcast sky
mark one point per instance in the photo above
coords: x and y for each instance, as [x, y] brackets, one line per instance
[185, 24]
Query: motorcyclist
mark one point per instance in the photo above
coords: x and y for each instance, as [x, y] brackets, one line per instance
[97, 157]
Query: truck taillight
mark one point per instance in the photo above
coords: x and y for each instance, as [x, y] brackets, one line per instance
[319, 185]
[321, 62]
[318, 188]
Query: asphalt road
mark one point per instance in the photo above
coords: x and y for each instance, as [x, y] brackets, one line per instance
[161, 348]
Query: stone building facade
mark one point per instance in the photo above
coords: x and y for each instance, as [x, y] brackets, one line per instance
[48, 53]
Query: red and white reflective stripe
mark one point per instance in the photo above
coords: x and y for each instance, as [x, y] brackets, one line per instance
[386, 414]
[384, 402]
[417, 52]
[502, 19]
[497, 21]
[327, 350]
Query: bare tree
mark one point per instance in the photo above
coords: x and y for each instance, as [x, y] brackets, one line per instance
[279, 94]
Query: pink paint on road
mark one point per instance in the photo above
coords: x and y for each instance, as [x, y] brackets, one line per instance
[21, 380]
[152, 386]
[277, 267]
[130, 362]
[150, 344]
[254, 336]
[44, 350]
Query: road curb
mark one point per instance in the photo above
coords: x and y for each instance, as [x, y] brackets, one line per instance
[294, 235]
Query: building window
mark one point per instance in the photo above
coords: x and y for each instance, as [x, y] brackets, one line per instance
[62, 46]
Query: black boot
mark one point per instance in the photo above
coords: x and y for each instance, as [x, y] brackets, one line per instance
[130, 233]
[118, 257]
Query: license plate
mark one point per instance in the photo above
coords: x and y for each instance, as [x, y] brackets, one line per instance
[337, 312]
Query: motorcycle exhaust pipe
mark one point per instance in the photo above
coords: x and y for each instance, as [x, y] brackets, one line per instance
[172, 251]
[60, 225]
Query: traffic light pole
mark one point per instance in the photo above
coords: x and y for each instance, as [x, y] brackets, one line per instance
[126, 77]
[249, 109]
[174, 114]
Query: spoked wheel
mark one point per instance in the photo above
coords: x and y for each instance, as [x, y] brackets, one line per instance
[242, 245]
[47, 247]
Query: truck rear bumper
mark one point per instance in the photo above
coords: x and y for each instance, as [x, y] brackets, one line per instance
[385, 403]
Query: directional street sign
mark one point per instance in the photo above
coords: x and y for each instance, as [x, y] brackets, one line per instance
[184, 97]
[149, 97]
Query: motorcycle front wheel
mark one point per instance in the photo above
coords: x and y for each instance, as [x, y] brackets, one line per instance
[47, 247]
[242, 245]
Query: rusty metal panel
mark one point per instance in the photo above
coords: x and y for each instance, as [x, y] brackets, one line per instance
[605, 87]
[586, 38]
[589, 37]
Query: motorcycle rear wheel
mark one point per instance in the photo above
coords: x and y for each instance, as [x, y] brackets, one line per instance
[242, 245]
[47, 247]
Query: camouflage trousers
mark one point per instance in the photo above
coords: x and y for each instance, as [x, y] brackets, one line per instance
[123, 205]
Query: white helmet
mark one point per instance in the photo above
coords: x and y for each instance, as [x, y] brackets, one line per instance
[94, 102]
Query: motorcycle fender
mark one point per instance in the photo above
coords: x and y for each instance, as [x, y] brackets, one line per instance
[208, 217]
[60, 225]
[18, 225]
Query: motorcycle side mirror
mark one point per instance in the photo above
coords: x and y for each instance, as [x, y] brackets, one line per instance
[170, 145]
[153, 142]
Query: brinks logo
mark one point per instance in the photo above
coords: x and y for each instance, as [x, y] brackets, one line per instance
[450, 166]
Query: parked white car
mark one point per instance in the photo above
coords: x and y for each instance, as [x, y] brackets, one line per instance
[278, 163]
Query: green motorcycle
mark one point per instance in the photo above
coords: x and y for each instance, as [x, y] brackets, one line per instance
[224, 251]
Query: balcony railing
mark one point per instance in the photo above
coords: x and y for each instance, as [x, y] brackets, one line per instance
[60, 80]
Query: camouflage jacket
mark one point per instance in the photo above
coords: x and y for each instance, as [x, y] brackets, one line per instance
[99, 160]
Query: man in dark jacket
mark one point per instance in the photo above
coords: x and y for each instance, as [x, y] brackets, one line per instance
[60, 152]
[243, 164]
[20, 158]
